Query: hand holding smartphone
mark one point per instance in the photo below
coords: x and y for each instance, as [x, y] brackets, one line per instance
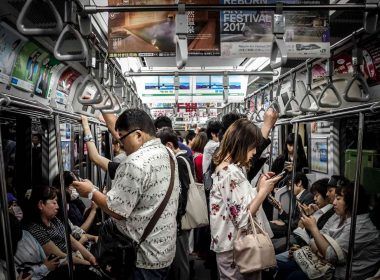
[75, 177]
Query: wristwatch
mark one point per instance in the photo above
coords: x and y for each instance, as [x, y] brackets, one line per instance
[91, 194]
[88, 138]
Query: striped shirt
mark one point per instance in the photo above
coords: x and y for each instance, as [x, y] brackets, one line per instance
[55, 233]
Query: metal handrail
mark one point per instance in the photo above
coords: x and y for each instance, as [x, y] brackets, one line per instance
[117, 106]
[107, 102]
[278, 48]
[83, 55]
[302, 65]
[330, 86]
[38, 31]
[357, 59]
[97, 98]
[92, 9]
[63, 198]
[292, 196]
[288, 109]
[309, 92]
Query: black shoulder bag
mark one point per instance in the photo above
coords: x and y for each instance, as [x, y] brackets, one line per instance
[115, 252]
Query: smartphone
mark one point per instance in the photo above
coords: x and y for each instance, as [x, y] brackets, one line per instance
[75, 177]
[282, 174]
[300, 208]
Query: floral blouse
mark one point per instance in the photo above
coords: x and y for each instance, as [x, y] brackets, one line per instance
[229, 197]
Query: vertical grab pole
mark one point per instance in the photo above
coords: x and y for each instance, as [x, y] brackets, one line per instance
[291, 204]
[98, 170]
[271, 149]
[4, 217]
[110, 146]
[63, 197]
[80, 152]
[356, 197]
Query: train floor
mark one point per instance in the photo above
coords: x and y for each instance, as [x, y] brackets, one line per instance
[198, 271]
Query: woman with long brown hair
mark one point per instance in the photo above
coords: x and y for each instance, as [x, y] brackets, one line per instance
[232, 197]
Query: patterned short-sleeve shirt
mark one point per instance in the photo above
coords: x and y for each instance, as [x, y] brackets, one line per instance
[230, 195]
[139, 186]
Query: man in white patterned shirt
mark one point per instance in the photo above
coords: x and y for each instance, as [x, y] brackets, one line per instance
[140, 185]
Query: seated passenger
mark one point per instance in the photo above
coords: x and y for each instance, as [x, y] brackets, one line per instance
[366, 257]
[30, 257]
[77, 232]
[13, 206]
[77, 212]
[322, 210]
[302, 196]
[49, 231]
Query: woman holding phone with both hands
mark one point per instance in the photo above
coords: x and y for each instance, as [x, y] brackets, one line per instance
[232, 197]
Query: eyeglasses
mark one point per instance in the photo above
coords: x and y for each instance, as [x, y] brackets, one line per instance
[126, 135]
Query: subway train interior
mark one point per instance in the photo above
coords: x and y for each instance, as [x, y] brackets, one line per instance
[282, 108]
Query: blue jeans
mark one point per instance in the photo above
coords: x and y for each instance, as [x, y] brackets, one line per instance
[150, 274]
[288, 269]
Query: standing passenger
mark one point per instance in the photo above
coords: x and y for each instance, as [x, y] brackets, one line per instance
[213, 129]
[180, 265]
[279, 163]
[232, 196]
[138, 189]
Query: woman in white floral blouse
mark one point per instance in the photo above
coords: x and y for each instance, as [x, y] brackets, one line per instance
[232, 196]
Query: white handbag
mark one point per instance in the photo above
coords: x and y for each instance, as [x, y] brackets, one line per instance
[314, 266]
[196, 209]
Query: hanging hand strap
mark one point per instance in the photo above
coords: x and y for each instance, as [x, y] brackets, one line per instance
[152, 223]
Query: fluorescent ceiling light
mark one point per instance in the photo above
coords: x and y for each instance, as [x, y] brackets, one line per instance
[130, 63]
[255, 63]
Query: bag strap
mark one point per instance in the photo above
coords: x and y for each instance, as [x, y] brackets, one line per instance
[192, 182]
[152, 223]
[335, 246]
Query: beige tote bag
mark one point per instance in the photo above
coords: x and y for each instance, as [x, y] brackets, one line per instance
[253, 248]
[196, 209]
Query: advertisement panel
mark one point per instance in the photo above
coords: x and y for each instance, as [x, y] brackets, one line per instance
[153, 33]
[64, 85]
[249, 33]
[33, 69]
[10, 45]
[371, 62]
[319, 154]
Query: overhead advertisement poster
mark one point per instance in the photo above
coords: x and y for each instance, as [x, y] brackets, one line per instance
[249, 33]
[33, 69]
[64, 85]
[10, 45]
[153, 33]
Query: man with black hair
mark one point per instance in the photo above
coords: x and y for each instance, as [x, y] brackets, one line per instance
[212, 131]
[180, 266]
[189, 137]
[335, 182]
[140, 184]
[164, 121]
[302, 196]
